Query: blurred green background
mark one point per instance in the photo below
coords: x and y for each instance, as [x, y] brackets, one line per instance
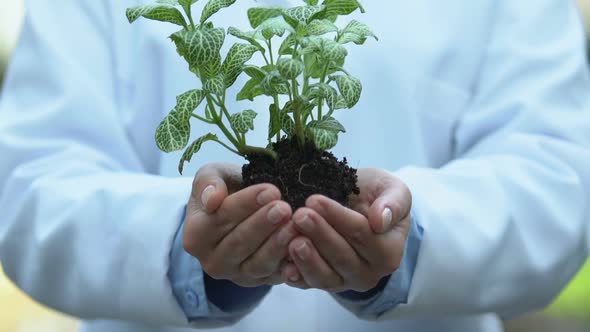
[569, 313]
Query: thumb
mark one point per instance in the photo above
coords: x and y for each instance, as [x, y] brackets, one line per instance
[390, 209]
[211, 186]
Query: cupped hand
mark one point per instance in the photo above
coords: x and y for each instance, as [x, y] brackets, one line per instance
[237, 235]
[353, 248]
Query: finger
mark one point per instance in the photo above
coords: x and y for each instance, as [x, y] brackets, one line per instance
[392, 206]
[332, 246]
[351, 225]
[212, 184]
[268, 258]
[203, 232]
[249, 235]
[314, 270]
[291, 276]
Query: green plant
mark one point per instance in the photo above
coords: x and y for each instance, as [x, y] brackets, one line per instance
[306, 71]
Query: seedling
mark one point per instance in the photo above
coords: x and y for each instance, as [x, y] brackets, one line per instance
[304, 53]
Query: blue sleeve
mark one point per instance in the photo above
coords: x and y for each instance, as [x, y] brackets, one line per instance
[201, 296]
[393, 289]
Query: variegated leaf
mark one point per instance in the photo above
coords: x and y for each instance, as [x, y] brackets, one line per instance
[301, 14]
[199, 46]
[350, 88]
[193, 148]
[173, 132]
[243, 122]
[237, 56]
[249, 36]
[187, 102]
[213, 6]
[320, 27]
[258, 15]
[290, 68]
[158, 12]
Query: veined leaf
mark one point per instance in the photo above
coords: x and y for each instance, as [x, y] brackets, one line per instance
[199, 46]
[320, 27]
[350, 88]
[355, 32]
[187, 102]
[169, 2]
[328, 123]
[243, 122]
[237, 56]
[212, 68]
[156, 12]
[260, 14]
[255, 72]
[274, 83]
[215, 84]
[213, 6]
[173, 132]
[186, 5]
[250, 90]
[275, 26]
[290, 68]
[325, 91]
[341, 7]
[194, 148]
[311, 2]
[301, 14]
[325, 49]
[249, 36]
[287, 124]
[287, 44]
[324, 139]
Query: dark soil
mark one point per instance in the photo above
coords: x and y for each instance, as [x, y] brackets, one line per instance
[300, 173]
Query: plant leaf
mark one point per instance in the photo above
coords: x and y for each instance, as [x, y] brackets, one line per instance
[320, 27]
[211, 69]
[274, 124]
[290, 68]
[199, 46]
[301, 14]
[255, 72]
[275, 26]
[325, 91]
[172, 133]
[324, 139]
[213, 6]
[355, 32]
[237, 56]
[327, 123]
[215, 85]
[187, 102]
[186, 5]
[287, 124]
[194, 148]
[156, 12]
[341, 7]
[243, 122]
[287, 44]
[311, 2]
[274, 83]
[250, 90]
[258, 15]
[350, 88]
[249, 36]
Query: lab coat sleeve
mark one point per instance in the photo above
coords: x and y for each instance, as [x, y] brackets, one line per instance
[505, 222]
[84, 229]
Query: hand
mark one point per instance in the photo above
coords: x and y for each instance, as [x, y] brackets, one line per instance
[239, 236]
[351, 249]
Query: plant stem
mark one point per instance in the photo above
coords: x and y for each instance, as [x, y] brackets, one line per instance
[221, 125]
[202, 118]
[190, 17]
[321, 99]
[269, 44]
[228, 147]
[246, 150]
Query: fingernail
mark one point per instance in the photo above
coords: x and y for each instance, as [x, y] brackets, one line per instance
[265, 197]
[302, 251]
[276, 214]
[294, 278]
[305, 223]
[387, 217]
[206, 194]
[284, 236]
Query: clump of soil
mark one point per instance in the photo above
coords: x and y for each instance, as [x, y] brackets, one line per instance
[300, 173]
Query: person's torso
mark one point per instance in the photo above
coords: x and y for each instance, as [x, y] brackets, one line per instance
[417, 80]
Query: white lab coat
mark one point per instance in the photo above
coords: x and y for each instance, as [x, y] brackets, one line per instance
[481, 107]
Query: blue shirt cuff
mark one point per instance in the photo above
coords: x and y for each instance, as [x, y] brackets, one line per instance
[391, 290]
[201, 296]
